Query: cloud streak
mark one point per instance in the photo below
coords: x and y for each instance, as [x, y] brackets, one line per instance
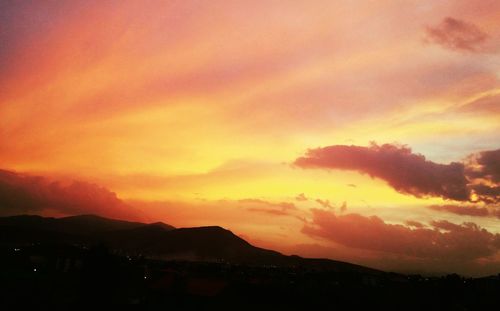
[281, 205]
[301, 197]
[270, 208]
[468, 210]
[324, 203]
[484, 105]
[462, 210]
[274, 212]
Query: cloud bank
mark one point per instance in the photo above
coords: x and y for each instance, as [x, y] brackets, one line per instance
[411, 173]
[27, 194]
[404, 171]
[442, 241]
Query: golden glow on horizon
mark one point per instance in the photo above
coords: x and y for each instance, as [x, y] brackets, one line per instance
[197, 103]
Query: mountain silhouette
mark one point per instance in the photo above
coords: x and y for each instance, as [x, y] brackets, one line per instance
[201, 243]
[94, 261]
[155, 240]
[82, 224]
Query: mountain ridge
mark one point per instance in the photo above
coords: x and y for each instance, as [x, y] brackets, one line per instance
[155, 240]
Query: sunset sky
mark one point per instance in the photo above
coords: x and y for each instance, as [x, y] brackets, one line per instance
[364, 131]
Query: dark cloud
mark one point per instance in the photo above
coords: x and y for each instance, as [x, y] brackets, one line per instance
[444, 241]
[455, 34]
[484, 173]
[403, 170]
[489, 166]
[485, 193]
[462, 210]
[22, 193]
[477, 180]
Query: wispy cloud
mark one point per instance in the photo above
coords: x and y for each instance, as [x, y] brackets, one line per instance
[324, 203]
[301, 197]
[464, 210]
[456, 34]
[282, 205]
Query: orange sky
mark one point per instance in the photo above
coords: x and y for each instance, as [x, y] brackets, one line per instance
[193, 112]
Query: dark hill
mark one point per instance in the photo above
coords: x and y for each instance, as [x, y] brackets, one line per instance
[204, 243]
[81, 225]
[156, 240]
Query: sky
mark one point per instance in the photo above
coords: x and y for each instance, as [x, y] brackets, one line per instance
[364, 131]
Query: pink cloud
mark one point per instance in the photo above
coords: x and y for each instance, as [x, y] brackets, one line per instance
[412, 173]
[444, 241]
[489, 105]
[403, 170]
[455, 34]
[22, 193]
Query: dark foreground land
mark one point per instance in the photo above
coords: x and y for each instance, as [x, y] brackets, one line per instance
[41, 268]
